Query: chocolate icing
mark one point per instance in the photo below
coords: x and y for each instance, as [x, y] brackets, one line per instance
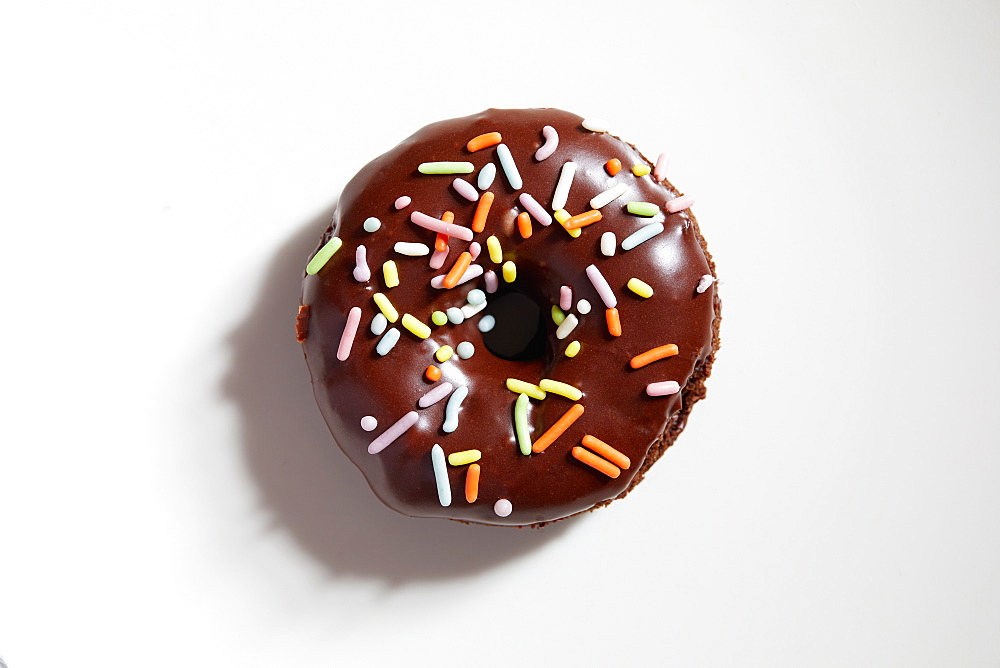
[550, 485]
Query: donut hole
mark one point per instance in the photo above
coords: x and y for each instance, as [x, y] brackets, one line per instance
[519, 334]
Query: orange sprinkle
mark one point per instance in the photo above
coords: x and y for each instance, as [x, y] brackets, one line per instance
[651, 356]
[614, 322]
[582, 219]
[606, 451]
[592, 460]
[472, 483]
[447, 217]
[556, 430]
[457, 269]
[441, 243]
[484, 141]
[433, 373]
[524, 224]
[482, 210]
[614, 165]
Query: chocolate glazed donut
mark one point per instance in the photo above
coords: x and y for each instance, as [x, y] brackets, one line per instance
[620, 429]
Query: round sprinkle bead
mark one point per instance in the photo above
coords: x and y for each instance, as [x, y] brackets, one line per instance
[476, 297]
[402, 202]
[487, 323]
[368, 423]
[439, 318]
[503, 508]
[465, 350]
[455, 316]
[379, 323]
[583, 306]
[372, 224]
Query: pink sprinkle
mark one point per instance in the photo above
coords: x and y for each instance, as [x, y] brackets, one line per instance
[550, 145]
[535, 209]
[660, 169]
[402, 202]
[565, 298]
[491, 281]
[392, 433]
[361, 272]
[704, 283]
[601, 285]
[680, 203]
[437, 393]
[437, 225]
[475, 248]
[474, 271]
[368, 423]
[350, 329]
[663, 389]
[466, 189]
[438, 258]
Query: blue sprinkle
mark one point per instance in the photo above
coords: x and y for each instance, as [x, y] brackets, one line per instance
[486, 323]
[643, 234]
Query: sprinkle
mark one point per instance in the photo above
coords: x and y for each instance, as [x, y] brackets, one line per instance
[361, 271]
[441, 240]
[642, 234]
[372, 224]
[640, 170]
[438, 258]
[474, 271]
[392, 433]
[509, 167]
[390, 273]
[561, 216]
[470, 310]
[503, 508]
[475, 248]
[596, 124]
[387, 342]
[493, 246]
[642, 209]
[614, 322]
[524, 224]
[509, 271]
[557, 315]
[491, 281]
[415, 327]
[680, 203]
[402, 202]
[521, 424]
[604, 450]
[486, 176]
[484, 141]
[455, 315]
[385, 306]
[563, 185]
[458, 270]
[652, 355]
[379, 323]
[476, 297]
[482, 211]
[472, 483]
[436, 225]
[465, 189]
[323, 255]
[562, 389]
[566, 326]
[601, 285]
[302, 323]
[535, 209]
[464, 457]
[487, 323]
[451, 410]
[583, 306]
[608, 196]
[664, 388]
[441, 475]
[368, 423]
[443, 354]
[522, 387]
[573, 349]
[445, 168]
[557, 429]
[465, 350]
[660, 170]
[613, 166]
[350, 330]
[583, 219]
[439, 318]
[436, 394]
[432, 373]
[593, 461]
[704, 283]
[608, 243]
[565, 298]
[411, 249]
[640, 288]
[550, 145]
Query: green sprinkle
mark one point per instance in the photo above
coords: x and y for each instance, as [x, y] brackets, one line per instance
[640, 170]
[643, 208]
[323, 255]
[557, 315]
[445, 168]
[439, 318]
[521, 424]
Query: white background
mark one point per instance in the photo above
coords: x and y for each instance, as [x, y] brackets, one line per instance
[169, 495]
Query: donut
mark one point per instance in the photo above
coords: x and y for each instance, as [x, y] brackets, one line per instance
[509, 318]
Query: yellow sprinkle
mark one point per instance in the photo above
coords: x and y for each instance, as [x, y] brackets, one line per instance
[563, 389]
[444, 353]
[640, 170]
[384, 305]
[415, 326]
[391, 274]
[561, 216]
[509, 271]
[572, 349]
[557, 315]
[519, 387]
[464, 457]
[493, 246]
[640, 288]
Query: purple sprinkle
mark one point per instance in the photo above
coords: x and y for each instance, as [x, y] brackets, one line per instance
[393, 432]
[535, 209]
[436, 394]
[565, 298]
[466, 189]
[491, 281]
[402, 202]
[361, 272]
[602, 287]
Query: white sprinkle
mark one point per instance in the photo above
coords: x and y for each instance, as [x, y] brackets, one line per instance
[486, 176]
[596, 124]
[583, 306]
[451, 410]
[503, 508]
[465, 350]
[509, 168]
[535, 209]
[470, 310]
[704, 283]
[663, 388]
[601, 285]
[608, 243]
[562, 187]
[402, 202]
[387, 342]
[680, 203]
[411, 249]
[368, 423]
[372, 224]
[567, 326]
[608, 196]
[436, 394]
[475, 248]
[455, 315]
[476, 297]
[441, 475]
[643, 234]
[361, 271]
[465, 189]
[392, 433]
[379, 323]
[487, 323]
[474, 271]
[491, 281]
